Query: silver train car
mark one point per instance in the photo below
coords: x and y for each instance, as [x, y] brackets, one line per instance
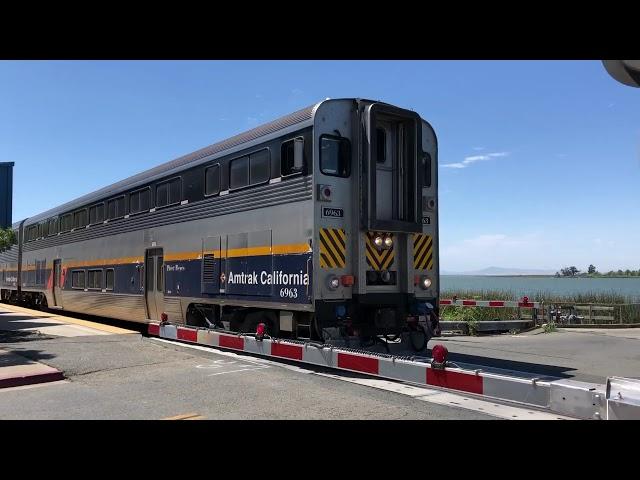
[321, 223]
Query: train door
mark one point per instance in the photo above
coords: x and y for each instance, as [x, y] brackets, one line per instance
[154, 282]
[57, 283]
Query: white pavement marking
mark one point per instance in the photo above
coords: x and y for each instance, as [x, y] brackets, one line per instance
[440, 397]
[245, 358]
[225, 363]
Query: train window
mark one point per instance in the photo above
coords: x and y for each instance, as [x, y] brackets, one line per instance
[335, 156]
[287, 157]
[381, 145]
[110, 274]
[239, 173]
[80, 218]
[169, 193]
[67, 222]
[212, 180]
[45, 229]
[115, 208]
[94, 279]
[259, 167]
[96, 214]
[53, 226]
[426, 170]
[77, 279]
[32, 233]
[140, 201]
[160, 275]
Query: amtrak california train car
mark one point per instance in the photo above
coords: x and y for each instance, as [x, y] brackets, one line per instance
[321, 223]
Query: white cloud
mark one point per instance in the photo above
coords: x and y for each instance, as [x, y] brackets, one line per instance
[478, 149]
[475, 158]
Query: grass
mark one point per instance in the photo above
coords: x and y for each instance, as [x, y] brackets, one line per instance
[605, 298]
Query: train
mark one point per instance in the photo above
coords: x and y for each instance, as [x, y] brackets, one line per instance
[318, 225]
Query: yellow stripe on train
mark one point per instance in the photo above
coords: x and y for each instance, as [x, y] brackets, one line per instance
[333, 248]
[422, 251]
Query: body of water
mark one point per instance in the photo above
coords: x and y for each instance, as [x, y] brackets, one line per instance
[629, 287]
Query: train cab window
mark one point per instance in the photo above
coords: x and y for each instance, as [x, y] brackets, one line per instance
[259, 163]
[94, 279]
[77, 279]
[96, 214]
[115, 208]
[335, 156]
[110, 279]
[169, 193]
[80, 218]
[426, 170]
[140, 201]
[212, 180]
[67, 222]
[239, 173]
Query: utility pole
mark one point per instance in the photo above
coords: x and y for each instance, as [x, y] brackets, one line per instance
[6, 193]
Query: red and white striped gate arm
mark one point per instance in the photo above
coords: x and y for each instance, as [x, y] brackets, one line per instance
[583, 400]
[490, 303]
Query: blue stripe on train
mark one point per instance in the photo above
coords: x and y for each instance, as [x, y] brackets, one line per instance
[274, 278]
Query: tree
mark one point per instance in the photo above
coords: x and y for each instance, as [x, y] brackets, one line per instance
[7, 238]
[591, 270]
[569, 271]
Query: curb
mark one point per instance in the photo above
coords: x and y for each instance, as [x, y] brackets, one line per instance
[51, 375]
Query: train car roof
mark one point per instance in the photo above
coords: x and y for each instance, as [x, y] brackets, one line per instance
[300, 119]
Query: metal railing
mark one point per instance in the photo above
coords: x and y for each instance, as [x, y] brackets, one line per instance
[561, 313]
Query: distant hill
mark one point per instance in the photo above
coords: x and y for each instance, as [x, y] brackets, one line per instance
[502, 271]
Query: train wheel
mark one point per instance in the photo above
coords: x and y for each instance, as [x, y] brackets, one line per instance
[418, 338]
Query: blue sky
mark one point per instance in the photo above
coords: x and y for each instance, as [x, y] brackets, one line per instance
[539, 160]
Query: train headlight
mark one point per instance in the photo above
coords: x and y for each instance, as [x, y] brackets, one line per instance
[378, 241]
[425, 282]
[388, 241]
[333, 282]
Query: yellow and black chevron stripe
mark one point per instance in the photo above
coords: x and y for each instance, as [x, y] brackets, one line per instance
[377, 258]
[422, 251]
[333, 248]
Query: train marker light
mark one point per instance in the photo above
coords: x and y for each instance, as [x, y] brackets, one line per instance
[347, 280]
[260, 332]
[385, 276]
